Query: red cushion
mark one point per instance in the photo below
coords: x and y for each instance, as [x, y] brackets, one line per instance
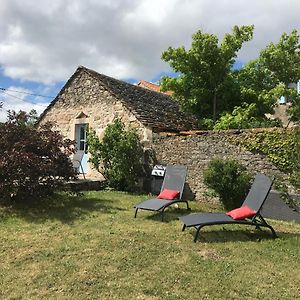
[241, 213]
[168, 194]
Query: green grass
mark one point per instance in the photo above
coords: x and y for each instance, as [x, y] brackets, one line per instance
[91, 247]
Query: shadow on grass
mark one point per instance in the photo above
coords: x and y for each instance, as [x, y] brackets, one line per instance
[63, 207]
[223, 235]
[170, 214]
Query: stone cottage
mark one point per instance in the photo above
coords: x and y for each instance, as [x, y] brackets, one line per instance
[95, 100]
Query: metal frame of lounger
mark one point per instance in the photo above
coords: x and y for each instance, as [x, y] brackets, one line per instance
[255, 199]
[174, 179]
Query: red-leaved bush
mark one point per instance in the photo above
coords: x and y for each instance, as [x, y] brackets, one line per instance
[33, 161]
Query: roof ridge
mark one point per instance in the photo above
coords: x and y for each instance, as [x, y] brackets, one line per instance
[91, 71]
[95, 73]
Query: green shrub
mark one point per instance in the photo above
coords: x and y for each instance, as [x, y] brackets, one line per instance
[206, 124]
[295, 158]
[229, 179]
[119, 156]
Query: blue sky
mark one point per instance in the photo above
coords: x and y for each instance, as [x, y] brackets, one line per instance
[43, 42]
[34, 87]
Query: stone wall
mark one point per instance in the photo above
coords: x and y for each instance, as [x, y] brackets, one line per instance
[86, 101]
[196, 150]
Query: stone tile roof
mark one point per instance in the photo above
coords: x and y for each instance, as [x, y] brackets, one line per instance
[153, 87]
[153, 109]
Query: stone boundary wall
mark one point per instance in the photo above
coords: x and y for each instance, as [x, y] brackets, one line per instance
[196, 150]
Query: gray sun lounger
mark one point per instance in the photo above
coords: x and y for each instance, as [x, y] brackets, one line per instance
[255, 199]
[174, 180]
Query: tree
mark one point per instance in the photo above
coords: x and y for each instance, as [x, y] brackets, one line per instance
[255, 83]
[282, 60]
[294, 110]
[34, 161]
[270, 76]
[23, 118]
[118, 156]
[244, 116]
[205, 71]
[264, 80]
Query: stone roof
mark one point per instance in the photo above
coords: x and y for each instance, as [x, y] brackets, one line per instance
[152, 86]
[153, 109]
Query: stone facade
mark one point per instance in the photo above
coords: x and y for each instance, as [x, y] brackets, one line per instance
[86, 101]
[196, 150]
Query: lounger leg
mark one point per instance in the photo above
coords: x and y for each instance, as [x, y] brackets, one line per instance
[272, 230]
[183, 228]
[197, 233]
[269, 226]
[265, 224]
[274, 235]
[187, 205]
[136, 212]
[162, 214]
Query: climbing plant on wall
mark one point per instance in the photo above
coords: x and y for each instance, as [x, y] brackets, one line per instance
[276, 145]
[282, 148]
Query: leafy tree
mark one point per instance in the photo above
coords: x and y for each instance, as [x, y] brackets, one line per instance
[32, 117]
[33, 162]
[282, 60]
[23, 118]
[240, 117]
[245, 116]
[294, 110]
[264, 80]
[118, 156]
[205, 71]
[255, 82]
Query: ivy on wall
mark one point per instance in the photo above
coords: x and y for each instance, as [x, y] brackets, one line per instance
[282, 148]
[278, 145]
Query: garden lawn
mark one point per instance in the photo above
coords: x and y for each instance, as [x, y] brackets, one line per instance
[91, 247]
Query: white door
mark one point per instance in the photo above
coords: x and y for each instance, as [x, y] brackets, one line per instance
[81, 144]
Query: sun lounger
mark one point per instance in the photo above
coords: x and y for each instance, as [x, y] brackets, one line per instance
[174, 180]
[254, 201]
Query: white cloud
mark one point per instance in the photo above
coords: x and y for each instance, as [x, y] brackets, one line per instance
[46, 40]
[16, 98]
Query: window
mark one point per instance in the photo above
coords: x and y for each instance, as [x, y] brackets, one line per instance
[81, 136]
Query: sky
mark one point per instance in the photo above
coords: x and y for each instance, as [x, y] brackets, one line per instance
[43, 42]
